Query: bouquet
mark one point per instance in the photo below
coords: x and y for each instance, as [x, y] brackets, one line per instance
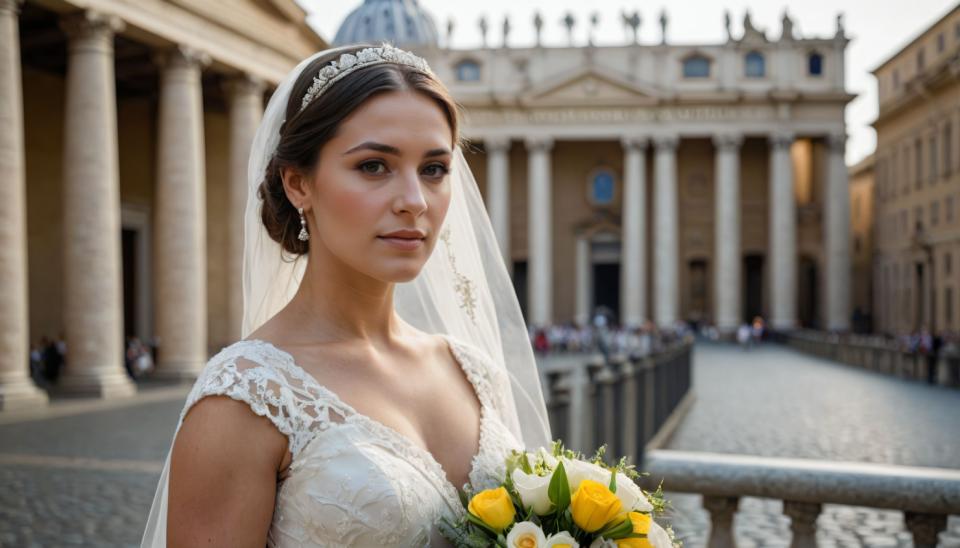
[557, 498]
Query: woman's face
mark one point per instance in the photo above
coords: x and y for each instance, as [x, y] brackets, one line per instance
[380, 190]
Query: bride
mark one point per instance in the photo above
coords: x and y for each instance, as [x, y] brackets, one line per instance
[385, 364]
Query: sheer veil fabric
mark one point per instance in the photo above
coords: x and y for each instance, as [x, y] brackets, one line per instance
[464, 290]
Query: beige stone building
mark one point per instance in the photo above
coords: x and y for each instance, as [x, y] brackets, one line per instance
[664, 181]
[124, 130]
[917, 261]
[862, 243]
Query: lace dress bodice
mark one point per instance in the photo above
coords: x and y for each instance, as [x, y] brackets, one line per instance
[354, 481]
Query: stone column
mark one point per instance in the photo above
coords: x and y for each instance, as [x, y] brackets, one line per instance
[539, 231]
[93, 276]
[634, 278]
[584, 282]
[498, 192]
[727, 238]
[16, 388]
[783, 234]
[246, 108]
[665, 244]
[181, 302]
[836, 231]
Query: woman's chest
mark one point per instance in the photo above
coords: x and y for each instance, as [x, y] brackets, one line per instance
[351, 486]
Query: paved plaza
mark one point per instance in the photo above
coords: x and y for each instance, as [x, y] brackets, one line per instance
[84, 473]
[776, 402]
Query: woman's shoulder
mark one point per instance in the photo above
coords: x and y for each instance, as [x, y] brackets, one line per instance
[259, 375]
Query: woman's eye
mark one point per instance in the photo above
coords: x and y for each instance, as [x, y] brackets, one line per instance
[373, 167]
[436, 170]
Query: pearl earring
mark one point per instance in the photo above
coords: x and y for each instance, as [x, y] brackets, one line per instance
[303, 236]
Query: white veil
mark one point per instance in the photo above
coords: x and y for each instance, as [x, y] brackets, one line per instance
[463, 290]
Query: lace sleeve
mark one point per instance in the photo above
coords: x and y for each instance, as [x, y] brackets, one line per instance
[247, 374]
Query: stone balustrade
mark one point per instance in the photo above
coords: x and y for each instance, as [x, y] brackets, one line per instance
[622, 403]
[926, 496]
[876, 353]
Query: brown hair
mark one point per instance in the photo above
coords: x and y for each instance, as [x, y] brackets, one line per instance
[305, 132]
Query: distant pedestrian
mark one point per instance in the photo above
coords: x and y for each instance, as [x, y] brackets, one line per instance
[933, 357]
[744, 336]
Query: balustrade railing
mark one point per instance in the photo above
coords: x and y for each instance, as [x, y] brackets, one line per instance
[926, 496]
[622, 402]
[877, 354]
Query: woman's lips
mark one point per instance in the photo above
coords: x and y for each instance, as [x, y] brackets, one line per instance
[406, 244]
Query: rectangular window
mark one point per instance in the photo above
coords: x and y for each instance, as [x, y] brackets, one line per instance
[918, 218]
[894, 174]
[906, 169]
[918, 163]
[934, 213]
[948, 305]
[947, 264]
[896, 79]
[934, 165]
[948, 210]
[941, 43]
[947, 149]
[921, 59]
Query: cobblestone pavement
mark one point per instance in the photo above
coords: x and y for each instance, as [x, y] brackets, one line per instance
[85, 476]
[814, 409]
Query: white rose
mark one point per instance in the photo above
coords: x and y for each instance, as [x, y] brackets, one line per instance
[523, 533]
[631, 496]
[533, 490]
[562, 537]
[578, 470]
[658, 537]
[548, 458]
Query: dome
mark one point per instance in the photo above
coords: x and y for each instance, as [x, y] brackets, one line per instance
[399, 22]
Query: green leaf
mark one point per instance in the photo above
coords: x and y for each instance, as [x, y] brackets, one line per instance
[559, 489]
[479, 523]
[463, 498]
[617, 530]
[525, 464]
[613, 481]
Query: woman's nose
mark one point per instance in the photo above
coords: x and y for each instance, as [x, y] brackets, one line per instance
[410, 196]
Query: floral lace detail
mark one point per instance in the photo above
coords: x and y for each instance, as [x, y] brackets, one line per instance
[385, 488]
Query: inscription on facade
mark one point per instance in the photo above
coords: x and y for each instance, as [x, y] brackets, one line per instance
[558, 116]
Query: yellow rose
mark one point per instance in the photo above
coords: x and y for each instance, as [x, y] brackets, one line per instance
[593, 505]
[633, 543]
[641, 525]
[493, 507]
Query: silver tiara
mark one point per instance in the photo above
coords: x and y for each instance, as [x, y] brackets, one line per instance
[349, 62]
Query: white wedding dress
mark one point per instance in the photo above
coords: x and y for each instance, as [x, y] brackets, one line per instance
[354, 481]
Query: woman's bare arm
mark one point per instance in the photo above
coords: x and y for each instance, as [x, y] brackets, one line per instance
[223, 476]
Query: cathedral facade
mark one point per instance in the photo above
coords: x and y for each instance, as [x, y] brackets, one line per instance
[665, 182]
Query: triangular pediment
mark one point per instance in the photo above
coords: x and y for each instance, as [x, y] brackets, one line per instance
[590, 85]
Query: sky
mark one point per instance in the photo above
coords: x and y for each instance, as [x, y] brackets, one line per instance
[877, 28]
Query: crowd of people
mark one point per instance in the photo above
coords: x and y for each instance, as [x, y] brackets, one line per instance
[48, 357]
[603, 335]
